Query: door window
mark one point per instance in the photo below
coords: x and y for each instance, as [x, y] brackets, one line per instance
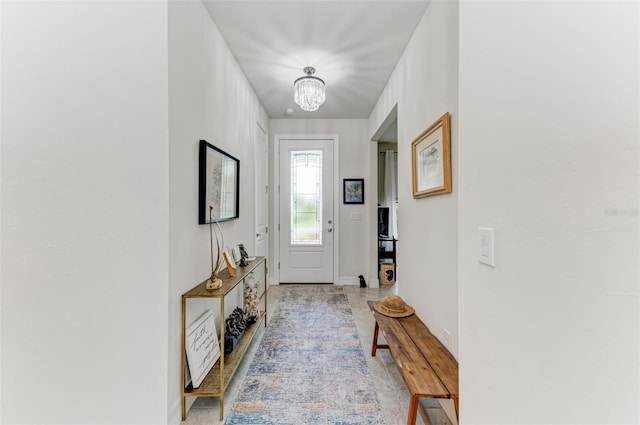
[306, 197]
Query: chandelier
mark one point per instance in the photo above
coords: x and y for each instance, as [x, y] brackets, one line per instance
[308, 91]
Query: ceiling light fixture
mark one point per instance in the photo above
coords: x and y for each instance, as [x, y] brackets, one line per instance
[308, 91]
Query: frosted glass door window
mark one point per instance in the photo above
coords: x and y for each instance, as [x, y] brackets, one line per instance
[306, 197]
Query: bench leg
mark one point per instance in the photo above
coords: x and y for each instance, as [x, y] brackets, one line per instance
[375, 340]
[455, 404]
[375, 346]
[413, 410]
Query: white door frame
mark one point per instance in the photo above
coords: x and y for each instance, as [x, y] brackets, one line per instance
[335, 138]
[259, 185]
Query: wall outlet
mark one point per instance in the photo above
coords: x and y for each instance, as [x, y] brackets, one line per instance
[446, 335]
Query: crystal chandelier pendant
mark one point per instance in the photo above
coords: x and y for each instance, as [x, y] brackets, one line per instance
[308, 91]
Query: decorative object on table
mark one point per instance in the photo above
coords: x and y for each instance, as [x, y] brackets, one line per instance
[308, 91]
[240, 255]
[363, 283]
[251, 302]
[310, 367]
[214, 282]
[231, 264]
[387, 273]
[218, 184]
[236, 254]
[243, 252]
[393, 306]
[235, 325]
[202, 347]
[353, 191]
[431, 159]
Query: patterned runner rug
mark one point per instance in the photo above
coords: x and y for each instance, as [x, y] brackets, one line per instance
[310, 367]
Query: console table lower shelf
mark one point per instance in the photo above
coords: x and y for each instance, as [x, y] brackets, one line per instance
[211, 386]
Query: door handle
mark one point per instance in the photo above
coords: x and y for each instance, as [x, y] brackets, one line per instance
[330, 230]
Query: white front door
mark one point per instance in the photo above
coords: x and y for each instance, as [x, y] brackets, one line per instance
[262, 192]
[306, 211]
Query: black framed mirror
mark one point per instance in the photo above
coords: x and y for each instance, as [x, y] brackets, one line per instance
[219, 184]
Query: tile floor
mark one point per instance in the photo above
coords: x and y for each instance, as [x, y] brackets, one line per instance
[392, 393]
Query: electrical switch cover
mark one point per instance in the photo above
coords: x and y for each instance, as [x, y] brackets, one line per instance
[485, 236]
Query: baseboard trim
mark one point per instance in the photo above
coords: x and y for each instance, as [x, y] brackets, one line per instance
[342, 281]
[348, 280]
[374, 283]
[354, 280]
[175, 415]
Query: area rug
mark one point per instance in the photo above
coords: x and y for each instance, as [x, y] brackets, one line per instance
[310, 367]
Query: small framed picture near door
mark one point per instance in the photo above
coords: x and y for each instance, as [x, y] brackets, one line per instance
[353, 191]
[431, 159]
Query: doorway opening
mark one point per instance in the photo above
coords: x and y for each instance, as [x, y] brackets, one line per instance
[387, 215]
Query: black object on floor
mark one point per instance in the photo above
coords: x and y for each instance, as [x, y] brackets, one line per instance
[363, 284]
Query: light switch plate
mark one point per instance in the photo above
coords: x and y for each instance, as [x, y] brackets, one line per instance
[356, 216]
[485, 239]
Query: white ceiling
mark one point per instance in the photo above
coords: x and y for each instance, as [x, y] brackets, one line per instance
[354, 46]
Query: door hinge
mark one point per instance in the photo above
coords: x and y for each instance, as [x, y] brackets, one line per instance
[266, 189]
[278, 265]
[266, 230]
[278, 227]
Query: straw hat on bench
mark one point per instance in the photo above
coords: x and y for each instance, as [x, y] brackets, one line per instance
[393, 306]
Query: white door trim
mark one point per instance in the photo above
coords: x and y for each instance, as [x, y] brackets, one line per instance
[335, 138]
[260, 184]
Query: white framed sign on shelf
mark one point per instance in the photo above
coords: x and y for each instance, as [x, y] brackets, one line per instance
[202, 347]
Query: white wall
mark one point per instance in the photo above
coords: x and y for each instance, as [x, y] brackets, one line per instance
[548, 156]
[209, 98]
[357, 239]
[424, 85]
[84, 212]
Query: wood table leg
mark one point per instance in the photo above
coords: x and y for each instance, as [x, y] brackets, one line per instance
[221, 406]
[413, 410]
[375, 340]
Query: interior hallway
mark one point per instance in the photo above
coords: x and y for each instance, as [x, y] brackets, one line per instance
[392, 392]
[103, 106]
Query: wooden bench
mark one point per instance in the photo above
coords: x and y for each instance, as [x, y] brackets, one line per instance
[427, 367]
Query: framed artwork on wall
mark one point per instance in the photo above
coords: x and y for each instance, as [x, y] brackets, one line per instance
[353, 191]
[431, 159]
[218, 185]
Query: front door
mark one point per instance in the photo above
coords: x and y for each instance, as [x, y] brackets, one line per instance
[306, 211]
